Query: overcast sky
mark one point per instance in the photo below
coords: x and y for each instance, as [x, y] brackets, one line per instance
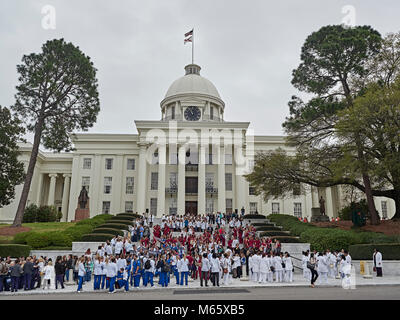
[248, 49]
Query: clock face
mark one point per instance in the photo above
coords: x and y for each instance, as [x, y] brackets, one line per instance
[192, 114]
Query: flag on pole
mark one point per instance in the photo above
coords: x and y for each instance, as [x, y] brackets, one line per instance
[187, 40]
[187, 34]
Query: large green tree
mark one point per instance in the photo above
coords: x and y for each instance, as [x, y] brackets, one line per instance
[333, 60]
[12, 170]
[56, 95]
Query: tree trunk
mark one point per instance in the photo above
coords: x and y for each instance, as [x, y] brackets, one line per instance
[370, 200]
[29, 174]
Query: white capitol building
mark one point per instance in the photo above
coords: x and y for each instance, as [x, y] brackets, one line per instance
[175, 165]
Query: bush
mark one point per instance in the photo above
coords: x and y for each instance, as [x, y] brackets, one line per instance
[20, 238]
[97, 237]
[109, 231]
[346, 212]
[390, 251]
[129, 214]
[125, 222]
[47, 214]
[14, 250]
[30, 213]
[275, 233]
[118, 226]
[286, 239]
[38, 240]
[121, 218]
[254, 216]
[60, 239]
[76, 232]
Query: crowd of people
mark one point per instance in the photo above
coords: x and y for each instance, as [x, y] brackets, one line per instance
[212, 249]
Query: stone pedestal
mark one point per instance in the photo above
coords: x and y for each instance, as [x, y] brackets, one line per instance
[316, 216]
[81, 214]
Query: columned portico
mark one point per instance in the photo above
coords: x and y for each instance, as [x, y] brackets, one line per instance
[142, 185]
[181, 179]
[52, 189]
[161, 180]
[64, 205]
[201, 209]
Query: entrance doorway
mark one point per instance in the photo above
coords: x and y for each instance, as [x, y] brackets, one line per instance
[191, 207]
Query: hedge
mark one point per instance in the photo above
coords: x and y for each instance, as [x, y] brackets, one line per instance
[108, 231]
[275, 233]
[390, 251]
[254, 216]
[262, 224]
[20, 238]
[38, 240]
[268, 228]
[134, 215]
[97, 237]
[121, 218]
[114, 226]
[76, 232]
[14, 250]
[125, 222]
[286, 239]
[60, 239]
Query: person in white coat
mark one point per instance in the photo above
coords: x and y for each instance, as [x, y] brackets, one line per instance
[278, 268]
[377, 258]
[322, 263]
[97, 271]
[112, 271]
[49, 276]
[270, 273]
[306, 271]
[215, 270]
[81, 273]
[288, 267]
[256, 267]
[250, 261]
[183, 269]
[264, 268]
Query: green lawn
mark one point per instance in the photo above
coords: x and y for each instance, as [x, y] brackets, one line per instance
[39, 227]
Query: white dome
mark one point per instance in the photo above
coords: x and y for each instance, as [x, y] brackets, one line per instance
[192, 82]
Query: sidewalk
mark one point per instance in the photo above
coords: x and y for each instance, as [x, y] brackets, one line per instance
[298, 281]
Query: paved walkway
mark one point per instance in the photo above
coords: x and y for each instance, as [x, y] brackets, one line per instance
[299, 281]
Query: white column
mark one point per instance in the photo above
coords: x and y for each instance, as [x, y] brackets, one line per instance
[331, 205]
[181, 180]
[240, 185]
[314, 197]
[64, 206]
[52, 189]
[161, 180]
[39, 190]
[201, 201]
[75, 189]
[141, 189]
[221, 179]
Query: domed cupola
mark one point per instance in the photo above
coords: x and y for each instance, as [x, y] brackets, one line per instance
[192, 98]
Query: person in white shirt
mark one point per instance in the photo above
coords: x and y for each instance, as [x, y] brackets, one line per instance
[103, 272]
[270, 274]
[215, 270]
[377, 260]
[278, 268]
[183, 267]
[322, 264]
[81, 273]
[256, 267]
[112, 271]
[264, 268]
[118, 246]
[97, 272]
[149, 269]
[205, 268]
[288, 267]
[236, 265]
[306, 271]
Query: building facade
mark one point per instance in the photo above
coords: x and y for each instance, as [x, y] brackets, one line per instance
[189, 161]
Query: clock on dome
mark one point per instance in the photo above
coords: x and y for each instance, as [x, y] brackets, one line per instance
[192, 114]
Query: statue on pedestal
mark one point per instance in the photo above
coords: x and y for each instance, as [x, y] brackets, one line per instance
[83, 198]
[322, 205]
[82, 211]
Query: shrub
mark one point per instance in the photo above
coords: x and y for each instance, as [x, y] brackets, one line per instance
[275, 233]
[390, 251]
[30, 213]
[14, 250]
[97, 237]
[108, 231]
[47, 214]
[76, 232]
[346, 212]
[38, 240]
[254, 216]
[126, 222]
[118, 226]
[20, 238]
[129, 214]
[60, 239]
[286, 239]
[121, 218]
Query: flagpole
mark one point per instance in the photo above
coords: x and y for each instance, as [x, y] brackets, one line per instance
[193, 47]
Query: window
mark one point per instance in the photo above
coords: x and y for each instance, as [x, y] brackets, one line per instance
[228, 181]
[384, 209]
[297, 190]
[109, 164]
[86, 183]
[228, 203]
[107, 185]
[131, 164]
[106, 207]
[211, 113]
[297, 210]
[153, 206]
[154, 181]
[209, 205]
[228, 158]
[173, 179]
[129, 185]
[275, 207]
[252, 191]
[128, 206]
[173, 112]
[253, 208]
[173, 207]
[87, 163]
